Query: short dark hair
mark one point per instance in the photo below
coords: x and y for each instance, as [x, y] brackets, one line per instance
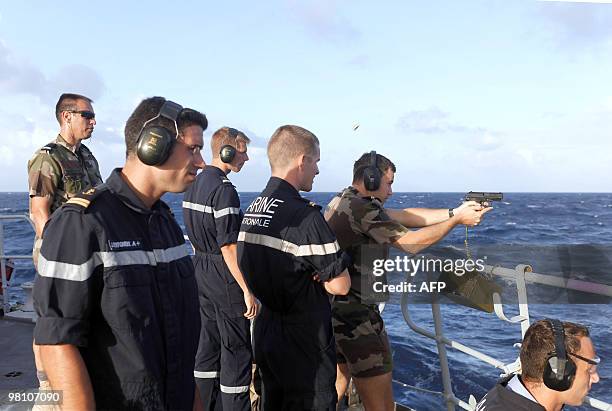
[148, 109]
[539, 343]
[67, 102]
[382, 162]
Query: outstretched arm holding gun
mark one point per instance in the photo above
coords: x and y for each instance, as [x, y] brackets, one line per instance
[424, 217]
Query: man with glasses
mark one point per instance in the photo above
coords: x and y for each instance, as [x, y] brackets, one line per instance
[65, 166]
[558, 367]
[60, 170]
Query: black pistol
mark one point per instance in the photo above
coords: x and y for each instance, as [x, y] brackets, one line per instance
[483, 198]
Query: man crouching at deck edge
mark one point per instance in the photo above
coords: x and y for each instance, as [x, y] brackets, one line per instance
[283, 243]
[115, 290]
[361, 223]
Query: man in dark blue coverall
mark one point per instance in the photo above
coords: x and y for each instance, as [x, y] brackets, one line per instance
[115, 290]
[291, 261]
[211, 210]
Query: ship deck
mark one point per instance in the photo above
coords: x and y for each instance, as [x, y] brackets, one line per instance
[17, 369]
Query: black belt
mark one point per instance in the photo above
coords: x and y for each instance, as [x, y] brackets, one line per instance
[214, 257]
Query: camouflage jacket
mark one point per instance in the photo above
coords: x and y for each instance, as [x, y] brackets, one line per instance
[57, 172]
[364, 230]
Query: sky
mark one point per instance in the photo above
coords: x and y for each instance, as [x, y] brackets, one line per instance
[483, 95]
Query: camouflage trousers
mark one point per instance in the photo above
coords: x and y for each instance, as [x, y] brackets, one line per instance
[361, 339]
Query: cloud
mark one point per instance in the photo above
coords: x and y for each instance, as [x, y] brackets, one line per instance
[15, 121]
[554, 115]
[578, 24]
[78, 79]
[322, 19]
[361, 61]
[21, 137]
[435, 121]
[19, 76]
[527, 155]
[489, 142]
[6, 155]
[429, 121]
[256, 140]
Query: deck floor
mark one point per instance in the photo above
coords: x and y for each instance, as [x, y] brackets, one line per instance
[17, 369]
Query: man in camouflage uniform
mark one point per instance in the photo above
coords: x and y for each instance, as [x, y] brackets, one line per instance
[60, 170]
[365, 230]
[64, 167]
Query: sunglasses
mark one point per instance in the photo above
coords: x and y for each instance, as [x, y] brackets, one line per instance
[592, 361]
[84, 113]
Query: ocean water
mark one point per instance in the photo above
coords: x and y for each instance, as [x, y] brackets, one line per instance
[567, 235]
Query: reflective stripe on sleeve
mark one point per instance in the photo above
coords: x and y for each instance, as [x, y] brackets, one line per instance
[206, 374]
[288, 247]
[81, 272]
[209, 210]
[67, 271]
[233, 390]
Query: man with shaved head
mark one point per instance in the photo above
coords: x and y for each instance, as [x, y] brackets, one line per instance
[291, 261]
[64, 167]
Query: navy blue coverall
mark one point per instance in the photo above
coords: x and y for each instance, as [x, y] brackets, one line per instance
[284, 241]
[115, 279]
[212, 215]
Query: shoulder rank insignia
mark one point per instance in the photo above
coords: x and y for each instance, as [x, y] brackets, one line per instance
[83, 202]
[85, 198]
[48, 148]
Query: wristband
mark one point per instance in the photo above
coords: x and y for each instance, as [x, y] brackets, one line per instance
[450, 213]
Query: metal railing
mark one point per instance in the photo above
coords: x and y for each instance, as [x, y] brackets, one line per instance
[4, 257]
[521, 275]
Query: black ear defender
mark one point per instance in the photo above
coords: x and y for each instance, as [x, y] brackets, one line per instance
[227, 153]
[559, 370]
[155, 142]
[371, 174]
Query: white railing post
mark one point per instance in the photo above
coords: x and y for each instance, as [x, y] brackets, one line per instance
[521, 289]
[446, 377]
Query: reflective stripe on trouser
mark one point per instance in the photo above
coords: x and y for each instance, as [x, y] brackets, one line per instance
[225, 345]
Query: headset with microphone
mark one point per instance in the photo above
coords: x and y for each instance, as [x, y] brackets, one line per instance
[155, 142]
